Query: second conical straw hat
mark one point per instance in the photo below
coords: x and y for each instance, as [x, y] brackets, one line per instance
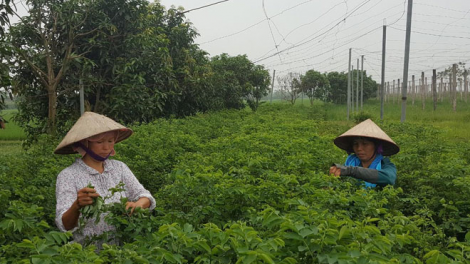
[368, 129]
[88, 125]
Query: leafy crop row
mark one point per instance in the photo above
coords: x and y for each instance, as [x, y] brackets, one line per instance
[243, 187]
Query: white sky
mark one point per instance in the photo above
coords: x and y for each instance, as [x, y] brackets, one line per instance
[299, 35]
[317, 34]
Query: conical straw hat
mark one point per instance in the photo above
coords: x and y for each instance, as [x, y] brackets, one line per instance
[368, 129]
[88, 125]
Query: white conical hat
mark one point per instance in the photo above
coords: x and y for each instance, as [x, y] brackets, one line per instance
[88, 125]
[368, 129]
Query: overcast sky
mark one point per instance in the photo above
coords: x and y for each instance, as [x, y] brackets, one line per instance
[299, 35]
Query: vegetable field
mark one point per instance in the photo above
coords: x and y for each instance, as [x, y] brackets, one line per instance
[252, 187]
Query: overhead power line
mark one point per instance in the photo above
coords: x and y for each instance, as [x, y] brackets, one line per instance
[430, 34]
[255, 24]
[187, 11]
[270, 29]
[307, 41]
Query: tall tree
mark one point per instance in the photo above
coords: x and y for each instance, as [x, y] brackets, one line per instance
[45, 44]
[237, 78]
[137, 62]
[315, 85]
[338, 87]
[291, 86]
[259, 86]
[6, 10]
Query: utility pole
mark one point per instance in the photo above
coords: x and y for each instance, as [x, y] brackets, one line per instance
[362, 81]
[423, 98]
[352, 88]
[465, 84]
[407, 61]
[349, 82]
[357, 86]
[382, 86]
[434, 88]
[272, 86]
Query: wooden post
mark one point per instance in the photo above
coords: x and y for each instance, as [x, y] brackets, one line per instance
[413, 88]
[357, 86]
[426, 87]
[388, 91]
[352, 88]
[434, 88]
[398, 91]
[349, 84]
[445, 91]
[460, 89]
[450, 87]
[441, 89]
[422, 91]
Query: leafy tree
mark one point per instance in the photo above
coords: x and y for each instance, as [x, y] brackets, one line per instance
[137, 62]
[237, 78]
[315, 85]
[5, 79]
[259, 86]
[45, 44]
[129, 61]
[339, 86]
[291, 86]
[6, 9]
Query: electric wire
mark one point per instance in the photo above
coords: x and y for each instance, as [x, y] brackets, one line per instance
[197, 8]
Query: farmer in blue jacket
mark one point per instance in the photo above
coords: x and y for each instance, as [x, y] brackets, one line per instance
[367, 145]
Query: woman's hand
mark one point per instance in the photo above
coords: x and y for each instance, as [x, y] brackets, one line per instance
[335, 171]
[143, 202]
[85, 197]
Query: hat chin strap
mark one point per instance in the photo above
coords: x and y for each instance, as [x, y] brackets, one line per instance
[90, 152]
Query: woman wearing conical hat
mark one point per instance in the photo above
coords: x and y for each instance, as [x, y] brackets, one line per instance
[367, 145]
[93, 136]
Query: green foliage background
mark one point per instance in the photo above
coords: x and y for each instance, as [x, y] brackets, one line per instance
[252, 187]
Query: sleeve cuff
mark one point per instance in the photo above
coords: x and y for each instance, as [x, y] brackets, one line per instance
[60, 224]
[150, 197]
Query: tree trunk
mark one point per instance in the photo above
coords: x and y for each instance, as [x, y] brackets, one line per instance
[51, 116]
[97, 101]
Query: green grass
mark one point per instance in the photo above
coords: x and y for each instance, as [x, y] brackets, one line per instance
[12, 130]
[10, 147]
[456, 125]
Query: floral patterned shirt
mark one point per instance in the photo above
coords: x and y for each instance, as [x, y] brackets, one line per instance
[79, 175]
